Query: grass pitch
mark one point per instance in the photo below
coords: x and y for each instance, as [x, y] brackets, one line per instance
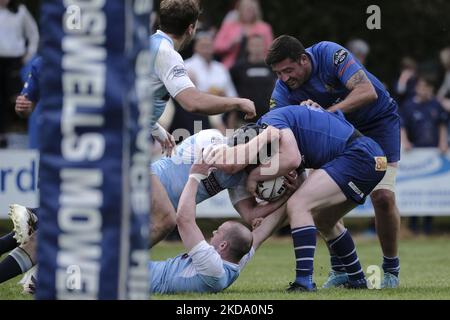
[425, 273]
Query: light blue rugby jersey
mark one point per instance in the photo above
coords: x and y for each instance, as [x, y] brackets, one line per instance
[174, 172]
[168, 73]
[200, 270]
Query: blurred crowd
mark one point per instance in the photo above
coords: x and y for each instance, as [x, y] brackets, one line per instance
[19, 38]
[228, 60]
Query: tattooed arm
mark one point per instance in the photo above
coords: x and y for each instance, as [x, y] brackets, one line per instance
[361, 93]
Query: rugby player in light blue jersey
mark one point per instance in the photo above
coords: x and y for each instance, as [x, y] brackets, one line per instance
[172, 174]
[213, 266]
[169, 78]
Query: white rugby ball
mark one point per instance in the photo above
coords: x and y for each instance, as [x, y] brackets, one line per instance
[271, 190]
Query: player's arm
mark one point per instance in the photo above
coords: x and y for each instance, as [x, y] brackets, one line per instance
[235, 159]
[193, 100]
[287, 159]
[263, 228]
[341, 65]
[170, 68]
[190, 233]
[361, 93]
[165, 139]
[268, 225]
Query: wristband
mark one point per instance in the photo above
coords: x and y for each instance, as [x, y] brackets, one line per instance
[198, 176]
[158, 132]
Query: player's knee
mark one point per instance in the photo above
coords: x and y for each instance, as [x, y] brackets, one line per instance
[383, 200]
[291, 209]
[323, 224]
[296, 206]
[299, 214]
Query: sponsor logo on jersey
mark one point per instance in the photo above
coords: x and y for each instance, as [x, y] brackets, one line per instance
[339, 56]
[272, 103]
[217, 140]
[380, 163]
[179, 71]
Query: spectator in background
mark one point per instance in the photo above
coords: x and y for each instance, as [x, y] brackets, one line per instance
[253, 79]
[233, 13]
[444, 91]
[404, 87]
[360, 49]
[27, 103]
[231, 39]
[209, 75]
[424, 124]
[18, 43]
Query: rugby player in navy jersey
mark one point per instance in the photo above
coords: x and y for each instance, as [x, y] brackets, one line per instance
[347, 166]
[327, 74]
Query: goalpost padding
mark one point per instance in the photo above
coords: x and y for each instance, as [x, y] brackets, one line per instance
[94, 184]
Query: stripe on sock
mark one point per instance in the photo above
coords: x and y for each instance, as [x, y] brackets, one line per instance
[391, 265]
[344, 247]
[304, 240]
[22, 258]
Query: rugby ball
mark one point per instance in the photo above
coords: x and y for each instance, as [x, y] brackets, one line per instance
[271, 190]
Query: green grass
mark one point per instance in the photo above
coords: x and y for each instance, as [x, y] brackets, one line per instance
[425, 273]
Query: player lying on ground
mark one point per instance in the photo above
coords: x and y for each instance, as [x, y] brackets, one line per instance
[208, 267]
[348, 167]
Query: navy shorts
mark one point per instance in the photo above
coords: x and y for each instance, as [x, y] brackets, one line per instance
[358, 169]
[386, 132]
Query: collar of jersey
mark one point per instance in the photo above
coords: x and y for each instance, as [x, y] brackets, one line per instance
[165, 36]
[313, 62]
[235, 265]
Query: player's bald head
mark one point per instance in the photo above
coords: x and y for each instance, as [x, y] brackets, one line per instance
[240, 239]
[284, 47]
